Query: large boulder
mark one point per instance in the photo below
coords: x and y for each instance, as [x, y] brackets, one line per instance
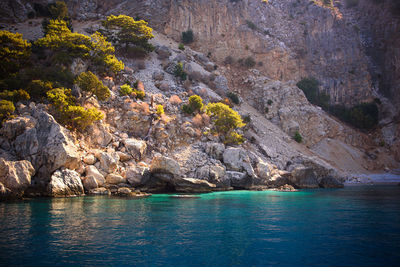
[164, 165]
[99, 134]
[192, 185]
[238, 180]
[108, 161]
[16, 175]
[13, 128]
[64, 183]
[113, 178]
[137, 175]
[236, 159]
[303, 177]
[47, 146]
[136, 148]
[89, 183]
[94, 172]
[214, 173]
[215, 150]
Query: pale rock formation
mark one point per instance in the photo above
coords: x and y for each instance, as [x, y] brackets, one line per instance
[64, 183]
[15, 176]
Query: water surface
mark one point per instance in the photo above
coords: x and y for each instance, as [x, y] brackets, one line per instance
[354, 226]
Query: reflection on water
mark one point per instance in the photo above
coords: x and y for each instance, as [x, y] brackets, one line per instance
[357, 226]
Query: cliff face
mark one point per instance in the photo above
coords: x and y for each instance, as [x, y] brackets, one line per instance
[352, 50]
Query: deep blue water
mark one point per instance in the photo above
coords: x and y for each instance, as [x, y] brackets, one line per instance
[354, 226]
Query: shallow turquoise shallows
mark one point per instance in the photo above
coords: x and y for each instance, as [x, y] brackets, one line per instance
[354, 226]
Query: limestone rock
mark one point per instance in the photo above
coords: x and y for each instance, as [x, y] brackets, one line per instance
[14, 127]
[99, 134]
[90, 183]
[47, 146]
[124, 191]
[192, 185]
[115, 179]
[100, 191]
[123, 156]
[215, 150]
[108, 161]
[303, 177]
[64, 183]
[92, 171]
[236, 159]
[16, 175]
[137, 175]
[163, 52]
[166, 165]
[238, 179]
[89, 159]
[136, 148]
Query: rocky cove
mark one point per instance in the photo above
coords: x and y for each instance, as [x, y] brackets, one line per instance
[134, 150]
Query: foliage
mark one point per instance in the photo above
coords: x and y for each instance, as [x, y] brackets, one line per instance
[195, 105]
[251, 25]
[160, 110]
[249, 62]
[139, 94]
[103, 54]
[58, 10]
[266, 110]
[129, 33]
[269, 102]
[181, 47]
[125, 89]
[187, 37]
[225, 119]
[14, 96]
[310, 88]
[6, 109]
[14, 51]
[38, 88]
[65, 44]
[229, 60]
[179, 72]
[73, 116]
[297, 137]
[89, 83]
[233, 97]
[234, 138]
[363, 116]
[247, 119]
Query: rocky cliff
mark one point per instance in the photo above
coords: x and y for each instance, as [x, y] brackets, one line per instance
[133, 149]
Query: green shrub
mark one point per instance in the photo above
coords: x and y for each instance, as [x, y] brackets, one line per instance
[187, 37]
[233, 97]
[297, 137]
[195, 105]
[89, 83]
[225, 119]
[139, 94]
[125, 90]
[14, 52]
[179, 72]
[234, 138]
[181, 47]
[362, 116]
[127, 33]
[251, 25]
[269, 102]
[37, 89]
[6, 109]
[229, 60]
[58, 10]
[310, 88]
[160, 110]
[248, 62]
[247, 119]
[14, 96]
[70, 114]
[266, 110]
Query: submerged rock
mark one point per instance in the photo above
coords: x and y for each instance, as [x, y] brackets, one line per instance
[64, 183]
[330, 182]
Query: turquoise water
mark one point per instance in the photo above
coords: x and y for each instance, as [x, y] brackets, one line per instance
[354, 226]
